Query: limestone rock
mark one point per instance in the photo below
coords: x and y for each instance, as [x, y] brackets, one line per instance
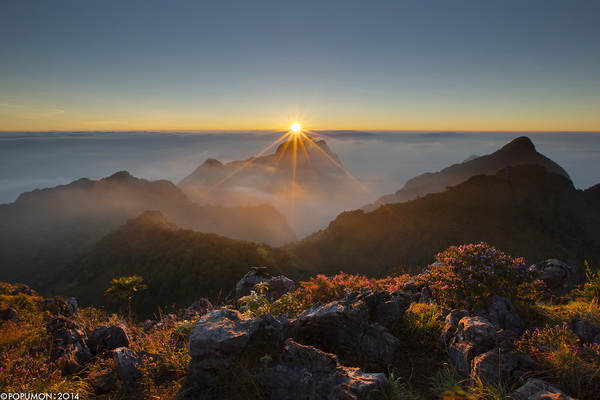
[102, 382]
[108, 338]
[501, 313]
[128, 364]
[68, 344]
[278, 286]
[198, 309]
[537, 389]
[499, 365]
[354, 327]
[303, 372]
[474, 336]
[554, 273]
[223, 337]
[9, 314]
[450, 326]
[585, 330]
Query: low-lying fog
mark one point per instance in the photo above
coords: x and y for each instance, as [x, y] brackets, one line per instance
[381, 161]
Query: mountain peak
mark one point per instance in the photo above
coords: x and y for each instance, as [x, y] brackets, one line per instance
[120, 176]
[519, 145]
[211, 163]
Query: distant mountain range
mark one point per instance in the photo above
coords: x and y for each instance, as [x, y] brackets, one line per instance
[303, 179]
[523, 210]
[179, 266]
[520, 151]
[44, 229]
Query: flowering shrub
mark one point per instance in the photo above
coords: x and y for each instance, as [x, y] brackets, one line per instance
[465, 276]
[558, 350]
[326, 289]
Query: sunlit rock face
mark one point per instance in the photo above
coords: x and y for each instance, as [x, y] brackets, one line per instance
[303, 179]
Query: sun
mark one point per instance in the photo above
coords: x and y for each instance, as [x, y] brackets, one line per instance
[296, 127]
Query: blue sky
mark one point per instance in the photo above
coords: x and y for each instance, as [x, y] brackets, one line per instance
[206, 65]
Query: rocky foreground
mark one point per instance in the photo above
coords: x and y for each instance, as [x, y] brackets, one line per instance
[342, 349]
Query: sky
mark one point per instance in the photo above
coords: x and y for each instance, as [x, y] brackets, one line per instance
[468, 65]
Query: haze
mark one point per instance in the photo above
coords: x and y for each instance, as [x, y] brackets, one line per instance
[341, 64]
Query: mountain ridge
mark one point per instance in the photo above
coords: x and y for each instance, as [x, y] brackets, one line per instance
[519, 151]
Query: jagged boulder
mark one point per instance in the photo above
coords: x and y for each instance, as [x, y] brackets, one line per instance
[58, 306]
[502, 314]
[450, 326]
[351, 329]
[68, 344]
[303, 372]
[198, 309]
[499, 365]
[128, 365]
[108, 338]
[473, 336]
[586, 331]
[554, 273]
[167, 321]
[220, 339]
[537, 389]
[9, 314]
[102, 382]
[278, 285]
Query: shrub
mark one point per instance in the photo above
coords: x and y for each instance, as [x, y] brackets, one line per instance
[591, 289]
[557, 349]
[465, 276]
[326, 289]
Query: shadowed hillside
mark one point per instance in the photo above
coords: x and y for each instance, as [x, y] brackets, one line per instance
[525, 210]
[43, 229]
[179, 266]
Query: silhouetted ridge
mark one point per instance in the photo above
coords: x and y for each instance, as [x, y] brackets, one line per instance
[121, 176]
[211, 163]
[520, 151]
[519, 145]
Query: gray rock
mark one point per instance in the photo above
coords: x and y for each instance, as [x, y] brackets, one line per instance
[9, 314]
[278, 286]
[351, 327]
[102, 382]
[585, 330]
[68, 344]
[554, 273]
[502, 314]
[128, 365]
[108, 338]
[303, 372]
[474, 336]
[220, 339]
[450, 326]
[72, 306]
[198, 309]
[499, 365]
[537, 389]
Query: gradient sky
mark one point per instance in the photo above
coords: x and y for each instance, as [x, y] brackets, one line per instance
[342, 64]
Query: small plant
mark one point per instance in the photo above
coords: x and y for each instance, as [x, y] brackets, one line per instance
[557, 349]
[591, 289]
[465, 276]
[424, 321]
[126, 287]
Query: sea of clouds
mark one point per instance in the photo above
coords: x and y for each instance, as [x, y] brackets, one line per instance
[381, 161]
